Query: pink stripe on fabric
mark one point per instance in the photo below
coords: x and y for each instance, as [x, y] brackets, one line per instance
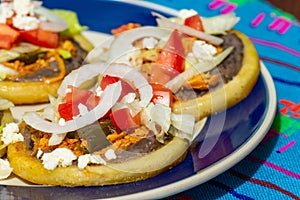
[275, 45]
[284, 148]
[258, 19]
[276, 167]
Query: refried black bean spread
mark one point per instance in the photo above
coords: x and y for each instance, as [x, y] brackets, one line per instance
[53, 69]
[226, 70]
[232, 64]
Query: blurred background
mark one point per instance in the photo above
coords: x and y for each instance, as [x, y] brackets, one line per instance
[291, 6]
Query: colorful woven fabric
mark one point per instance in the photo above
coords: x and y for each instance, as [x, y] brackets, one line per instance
[272, 170]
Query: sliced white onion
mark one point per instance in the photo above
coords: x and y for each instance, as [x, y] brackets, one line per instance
[119, 106]
[81, 75]
[161, 115]
[99, 53]
[6, 55]
[7, 70]
[128, 101]
[146, 117]
[5, 169]
[108, 99]
[129, 98]
[176, 83]
[5, 104]
[123, 71]
[123, 42]
[48, 113]
[167, 23]
[15, 52]
[56, 139]
[183, 122]
[219, 24]
[53, 22]
[183, 126]
[25, 47]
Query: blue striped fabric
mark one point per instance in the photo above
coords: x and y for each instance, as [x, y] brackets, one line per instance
[272, 170]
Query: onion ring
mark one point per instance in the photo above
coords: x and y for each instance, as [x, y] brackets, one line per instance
[167, 23]
[54, 23]
[122, 71]
[108, 99]
[123, 42]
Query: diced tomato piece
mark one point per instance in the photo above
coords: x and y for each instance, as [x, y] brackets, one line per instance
[41, 37]
[68, 110]
[107, 80]
[77, 95]
[172, 54]
[125, 27]
[161, 74]
[123, 120]
[194, 22]
[126, 88]
[92, 102]
[162, 95]
[8, 36]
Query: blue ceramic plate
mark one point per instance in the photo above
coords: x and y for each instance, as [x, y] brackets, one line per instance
[239, 135]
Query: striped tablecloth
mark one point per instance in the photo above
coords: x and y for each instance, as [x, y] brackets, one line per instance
[272, 170]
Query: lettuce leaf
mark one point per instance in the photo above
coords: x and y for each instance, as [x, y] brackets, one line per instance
[71, 18]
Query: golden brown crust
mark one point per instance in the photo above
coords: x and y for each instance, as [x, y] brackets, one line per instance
[32, 170]
[28, 92]
[6, 118]
[231, 93]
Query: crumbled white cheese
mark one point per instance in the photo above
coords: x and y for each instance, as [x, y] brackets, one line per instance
[5, 169]
[149, 42]
[185, 13]
[84, 160]
[203, 51]
[99, 91]
[68, 90]
[5, 12]
[25, 22]
[10, 134]
[62, 121]
[110, 154]
[23, 7]
[39, 153]
[21, 12]
[61, 157]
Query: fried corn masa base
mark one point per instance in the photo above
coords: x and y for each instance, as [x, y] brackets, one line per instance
[232, 92]
[32, 92]
[5, 117]
[31, 169]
